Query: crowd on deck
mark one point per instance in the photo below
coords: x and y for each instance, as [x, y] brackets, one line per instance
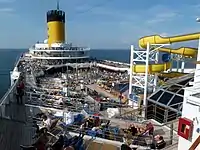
[93, 125]
[53, 130]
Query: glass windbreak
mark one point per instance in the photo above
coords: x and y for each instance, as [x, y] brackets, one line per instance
[172, 95]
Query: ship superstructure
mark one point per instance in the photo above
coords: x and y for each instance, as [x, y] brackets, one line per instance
[55, 50]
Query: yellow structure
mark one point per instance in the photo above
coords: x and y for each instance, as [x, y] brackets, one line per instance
[185, 51]
[156, 39]
[154, 68]
[56, 26]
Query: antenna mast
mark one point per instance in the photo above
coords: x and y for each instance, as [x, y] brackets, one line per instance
[58, 5]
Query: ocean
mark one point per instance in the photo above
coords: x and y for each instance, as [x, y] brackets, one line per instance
[8, 58]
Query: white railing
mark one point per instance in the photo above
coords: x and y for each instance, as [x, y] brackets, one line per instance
[58, 50]
[7, 98]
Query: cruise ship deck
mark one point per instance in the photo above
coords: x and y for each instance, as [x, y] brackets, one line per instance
[17, 123]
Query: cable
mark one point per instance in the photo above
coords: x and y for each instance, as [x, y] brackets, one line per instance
[95, 6]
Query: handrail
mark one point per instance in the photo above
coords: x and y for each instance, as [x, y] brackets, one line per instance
[9, 91]
[195, 144]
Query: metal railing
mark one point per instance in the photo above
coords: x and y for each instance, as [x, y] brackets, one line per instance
[8, 97]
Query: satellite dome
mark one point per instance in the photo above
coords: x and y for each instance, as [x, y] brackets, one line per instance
[46, 41]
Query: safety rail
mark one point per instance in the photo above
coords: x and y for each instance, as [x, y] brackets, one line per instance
[167, 129]
[75, 128]
[134, 114]
[195, 143]
[193, 92]
[8, 97]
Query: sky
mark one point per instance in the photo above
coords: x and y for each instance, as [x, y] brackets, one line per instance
[98, 23]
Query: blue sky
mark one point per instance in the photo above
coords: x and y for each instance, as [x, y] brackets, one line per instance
[109, 24]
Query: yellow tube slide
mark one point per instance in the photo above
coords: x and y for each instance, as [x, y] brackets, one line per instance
[185, 51]
[156, 39]
[153, 68]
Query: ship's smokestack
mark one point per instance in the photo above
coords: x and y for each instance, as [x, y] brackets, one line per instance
[56, 26]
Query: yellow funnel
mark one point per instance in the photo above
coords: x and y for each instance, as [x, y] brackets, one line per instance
[156, 39]
[56, 26]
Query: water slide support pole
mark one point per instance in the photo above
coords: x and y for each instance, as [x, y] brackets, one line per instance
[177, 65]
[197, 70]
[130, 70]
[146, 76]
[156, 75]
[182, 66]
[170, 69]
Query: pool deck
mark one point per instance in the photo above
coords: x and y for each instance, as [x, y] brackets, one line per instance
[100, 90]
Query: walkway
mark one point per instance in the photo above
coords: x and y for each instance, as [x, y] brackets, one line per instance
[99, 90]
[15, 132]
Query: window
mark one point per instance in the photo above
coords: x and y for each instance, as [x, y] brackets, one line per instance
[156, 95]
[181, 92]
[177, 99]
[164, 99]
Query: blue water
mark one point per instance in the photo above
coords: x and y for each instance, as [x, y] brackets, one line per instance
[8, 57]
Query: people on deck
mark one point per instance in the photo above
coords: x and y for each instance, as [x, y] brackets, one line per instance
[47, 121]
[20, 92]
[159, 142]
[19, 95]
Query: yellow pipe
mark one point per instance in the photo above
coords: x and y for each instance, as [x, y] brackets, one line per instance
[153, 68]
[156, 39]
[186, 51]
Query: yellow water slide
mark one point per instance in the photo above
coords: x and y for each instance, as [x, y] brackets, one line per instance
[153, 68]
[156, 39]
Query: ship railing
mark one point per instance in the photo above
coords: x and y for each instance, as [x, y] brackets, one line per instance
[71, 55]
[116, 138]
[61, 48]
[134, 114]
[167, 129]
[8, 97]
[193, 91]
[32, 99]
[153, 112]
[126, 112]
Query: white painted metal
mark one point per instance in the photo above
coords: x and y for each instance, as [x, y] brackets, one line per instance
[144, 80]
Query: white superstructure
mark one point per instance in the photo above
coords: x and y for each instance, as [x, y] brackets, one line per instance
[59, 51]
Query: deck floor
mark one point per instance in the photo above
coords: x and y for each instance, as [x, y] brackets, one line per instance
[14, 131]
